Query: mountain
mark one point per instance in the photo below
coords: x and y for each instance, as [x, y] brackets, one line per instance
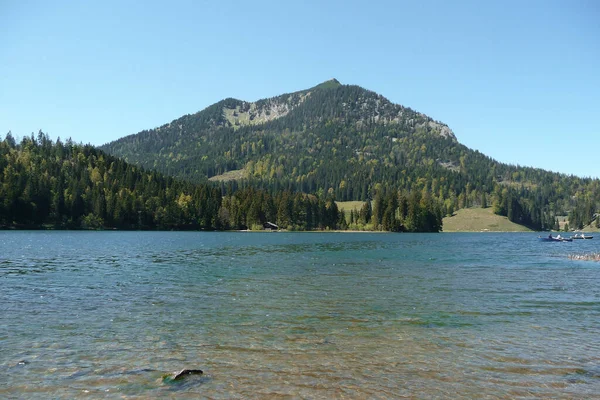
[350, 142]
[315, 128]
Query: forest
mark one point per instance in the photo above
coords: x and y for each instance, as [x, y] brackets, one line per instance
[56, 185]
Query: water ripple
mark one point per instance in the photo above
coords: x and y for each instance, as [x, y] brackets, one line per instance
[365, 316]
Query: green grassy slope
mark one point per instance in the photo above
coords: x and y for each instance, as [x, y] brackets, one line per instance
[480, 220]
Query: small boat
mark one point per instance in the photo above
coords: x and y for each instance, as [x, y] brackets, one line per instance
[554, 239]
[581, 236]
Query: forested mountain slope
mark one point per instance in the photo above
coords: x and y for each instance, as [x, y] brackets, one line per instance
[348, 141]
[68, 185]
[55, 185]
[329, 123]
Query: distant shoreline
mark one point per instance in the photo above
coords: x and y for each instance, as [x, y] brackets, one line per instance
[49, 228]
[314, 231]
[15, 229]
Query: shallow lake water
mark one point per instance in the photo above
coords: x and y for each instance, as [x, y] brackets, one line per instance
[297, 315]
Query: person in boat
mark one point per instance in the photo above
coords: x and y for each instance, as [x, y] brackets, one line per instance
[550, 236]
[558, 237]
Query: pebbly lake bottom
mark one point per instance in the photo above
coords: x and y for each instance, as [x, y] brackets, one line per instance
[297, 315]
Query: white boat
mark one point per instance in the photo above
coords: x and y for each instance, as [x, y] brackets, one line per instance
[581, 236]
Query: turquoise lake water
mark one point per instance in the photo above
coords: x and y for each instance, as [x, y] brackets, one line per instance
[297, 315]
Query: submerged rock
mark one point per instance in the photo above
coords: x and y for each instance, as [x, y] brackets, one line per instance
[185, 372]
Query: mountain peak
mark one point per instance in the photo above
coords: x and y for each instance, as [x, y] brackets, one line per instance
[331, 83]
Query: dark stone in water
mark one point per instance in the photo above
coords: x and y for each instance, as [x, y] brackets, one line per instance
[185, 372]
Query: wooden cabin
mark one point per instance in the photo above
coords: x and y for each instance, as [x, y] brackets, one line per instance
[269, 226]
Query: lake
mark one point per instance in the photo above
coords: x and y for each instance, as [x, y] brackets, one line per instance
[297, 315]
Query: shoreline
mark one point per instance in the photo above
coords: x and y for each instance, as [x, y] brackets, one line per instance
[42, 228]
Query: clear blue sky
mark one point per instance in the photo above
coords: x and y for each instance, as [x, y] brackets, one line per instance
[517, 80]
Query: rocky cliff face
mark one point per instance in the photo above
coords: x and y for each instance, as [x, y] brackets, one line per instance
[246, 113]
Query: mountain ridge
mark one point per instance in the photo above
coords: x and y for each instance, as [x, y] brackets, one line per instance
[234, 112]
[350, 142]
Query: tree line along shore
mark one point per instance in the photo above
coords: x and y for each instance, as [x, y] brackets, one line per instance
[56, 185]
